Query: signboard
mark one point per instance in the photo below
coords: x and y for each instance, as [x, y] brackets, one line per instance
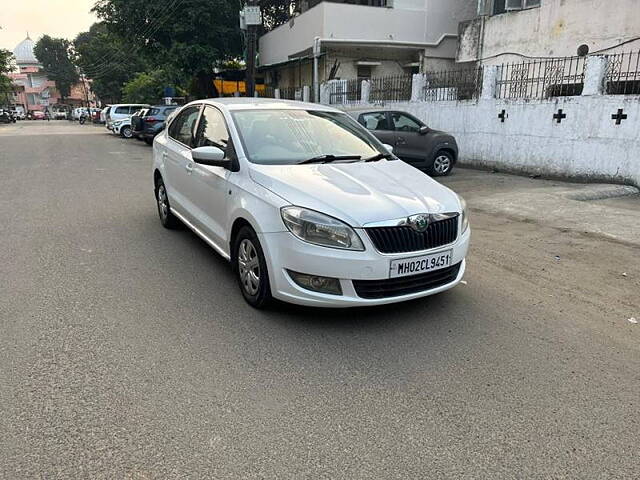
[252, 15]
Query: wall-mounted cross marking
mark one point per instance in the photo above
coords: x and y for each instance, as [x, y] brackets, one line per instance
[618, 117]
[502, 115]
[559, 116]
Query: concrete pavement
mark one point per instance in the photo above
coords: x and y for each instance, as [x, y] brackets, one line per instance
[610, 211]
[126, 350]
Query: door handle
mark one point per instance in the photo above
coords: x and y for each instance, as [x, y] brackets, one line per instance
[189, 167]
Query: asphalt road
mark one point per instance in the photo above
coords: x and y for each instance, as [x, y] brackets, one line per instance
[126, 350]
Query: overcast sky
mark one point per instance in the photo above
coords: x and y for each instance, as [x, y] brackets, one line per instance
[58, 18]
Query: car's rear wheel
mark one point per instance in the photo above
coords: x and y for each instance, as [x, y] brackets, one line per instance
[126, 132]
[250, 268]
[168, 219]
[442, 164]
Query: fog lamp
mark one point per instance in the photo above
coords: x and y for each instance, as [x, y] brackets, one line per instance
[316, 283]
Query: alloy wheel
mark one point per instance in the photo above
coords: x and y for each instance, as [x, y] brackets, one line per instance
[442, 164]
[163, 204]
[249, 267]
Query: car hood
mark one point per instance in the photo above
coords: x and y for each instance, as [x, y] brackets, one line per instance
[358, 193]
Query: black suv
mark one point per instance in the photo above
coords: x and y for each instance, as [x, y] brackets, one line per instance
[151, 122]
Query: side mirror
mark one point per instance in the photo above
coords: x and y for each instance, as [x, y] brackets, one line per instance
[211, 156]
[423, 130]
[388, 147]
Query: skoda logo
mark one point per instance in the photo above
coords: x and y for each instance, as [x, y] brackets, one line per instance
[419, 222]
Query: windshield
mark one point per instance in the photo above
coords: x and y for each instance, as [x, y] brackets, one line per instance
[281, 137]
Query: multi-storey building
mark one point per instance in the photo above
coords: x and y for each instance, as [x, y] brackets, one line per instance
[514, 30]
[34, 91]
[362, 39]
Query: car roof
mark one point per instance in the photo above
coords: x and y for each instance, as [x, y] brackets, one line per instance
[249, 103]
[130, 105]
[358, 111]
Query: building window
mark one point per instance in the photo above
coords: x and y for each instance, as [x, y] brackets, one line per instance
[502, 6]
[522, 4]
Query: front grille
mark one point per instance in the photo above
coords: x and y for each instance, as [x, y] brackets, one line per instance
[395, 287]
[405, 239]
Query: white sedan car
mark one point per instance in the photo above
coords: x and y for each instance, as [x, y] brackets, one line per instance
[308, 206]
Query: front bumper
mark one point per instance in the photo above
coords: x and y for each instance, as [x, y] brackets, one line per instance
[284, 252]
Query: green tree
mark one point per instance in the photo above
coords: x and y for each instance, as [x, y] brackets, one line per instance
[5, 82]
[104, 57]
[147, 87]
[55, 55]
[187, 38]
[276, 12]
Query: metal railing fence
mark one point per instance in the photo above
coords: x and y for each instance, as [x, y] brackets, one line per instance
[539, 79]
[344, 92]
[460, 84]
[392, 88]
[623, 73]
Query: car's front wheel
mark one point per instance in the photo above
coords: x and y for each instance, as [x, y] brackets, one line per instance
[126, 132]
[442, 164]
[168, 219]
[251, 268]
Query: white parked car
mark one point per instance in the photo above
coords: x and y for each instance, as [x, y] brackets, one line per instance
[121, 111]
[309, 207]
[122, 127]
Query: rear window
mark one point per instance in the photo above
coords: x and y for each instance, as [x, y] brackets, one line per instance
[154, 111]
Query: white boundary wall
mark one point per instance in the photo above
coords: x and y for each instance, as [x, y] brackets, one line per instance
[586, 145]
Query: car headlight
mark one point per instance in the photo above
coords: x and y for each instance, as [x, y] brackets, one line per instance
[465, 216]
[320, 229]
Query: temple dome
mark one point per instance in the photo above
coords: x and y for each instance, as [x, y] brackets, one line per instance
[24, 52]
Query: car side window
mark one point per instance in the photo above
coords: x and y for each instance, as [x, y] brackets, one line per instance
[374, 121]
[122, 110]
[182, 128]
[212, 130]
[404, 123]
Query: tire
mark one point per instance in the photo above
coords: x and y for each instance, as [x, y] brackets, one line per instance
[168, 219]
[126, 132]
[250, 268]
[442, 164]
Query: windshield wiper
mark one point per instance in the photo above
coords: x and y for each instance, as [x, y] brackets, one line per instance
[377, 157]
[330, 158]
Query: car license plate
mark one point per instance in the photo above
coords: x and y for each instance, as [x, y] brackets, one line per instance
[422, 264]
